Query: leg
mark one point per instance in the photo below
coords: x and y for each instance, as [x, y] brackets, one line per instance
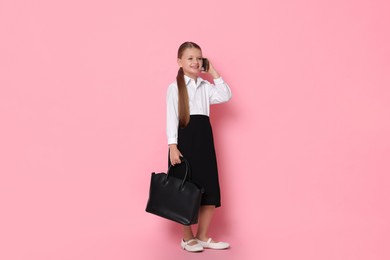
[205, 216]
[189, 242]
[187, 233]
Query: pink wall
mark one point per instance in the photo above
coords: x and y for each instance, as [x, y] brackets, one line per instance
[303, 146]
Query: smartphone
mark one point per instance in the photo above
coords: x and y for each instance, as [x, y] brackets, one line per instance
[205, 66]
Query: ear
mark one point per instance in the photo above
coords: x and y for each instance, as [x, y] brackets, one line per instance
[179, 63]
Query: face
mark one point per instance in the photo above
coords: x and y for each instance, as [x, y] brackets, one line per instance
[191, 62]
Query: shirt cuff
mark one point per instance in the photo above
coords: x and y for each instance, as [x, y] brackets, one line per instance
[218, 81]
[172, 140]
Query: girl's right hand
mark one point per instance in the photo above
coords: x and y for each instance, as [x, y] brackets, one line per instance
[174, 154]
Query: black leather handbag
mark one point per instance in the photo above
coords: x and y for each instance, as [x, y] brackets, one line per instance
[173, 198]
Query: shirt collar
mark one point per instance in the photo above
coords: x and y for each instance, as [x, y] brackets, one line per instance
[199, 80]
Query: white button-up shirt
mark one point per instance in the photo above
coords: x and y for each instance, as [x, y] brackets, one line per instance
[201, 94]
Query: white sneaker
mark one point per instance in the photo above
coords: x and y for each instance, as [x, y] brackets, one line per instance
[213, 245]
[191, 248]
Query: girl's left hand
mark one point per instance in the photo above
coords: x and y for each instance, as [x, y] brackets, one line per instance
[212, 71]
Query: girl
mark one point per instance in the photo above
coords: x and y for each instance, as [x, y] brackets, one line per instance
[190, 135]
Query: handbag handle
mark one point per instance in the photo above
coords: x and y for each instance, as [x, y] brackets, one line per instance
[188, 172]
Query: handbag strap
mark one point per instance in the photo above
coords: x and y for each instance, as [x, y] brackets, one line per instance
[187, 173]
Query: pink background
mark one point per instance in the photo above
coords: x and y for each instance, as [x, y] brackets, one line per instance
[303, 146]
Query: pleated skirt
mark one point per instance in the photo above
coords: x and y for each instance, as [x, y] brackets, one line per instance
[196, 143]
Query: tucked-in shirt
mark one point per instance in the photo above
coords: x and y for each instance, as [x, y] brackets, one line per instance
[201, 94]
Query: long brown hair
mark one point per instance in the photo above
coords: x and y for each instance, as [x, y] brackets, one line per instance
[184, 106]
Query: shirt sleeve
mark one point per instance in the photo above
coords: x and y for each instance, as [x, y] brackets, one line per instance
[219, 92]
[172, 114]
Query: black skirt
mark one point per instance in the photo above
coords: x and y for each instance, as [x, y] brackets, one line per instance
[196, 144]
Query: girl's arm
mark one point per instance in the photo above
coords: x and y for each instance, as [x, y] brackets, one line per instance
[172, 124]
[220, 92]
